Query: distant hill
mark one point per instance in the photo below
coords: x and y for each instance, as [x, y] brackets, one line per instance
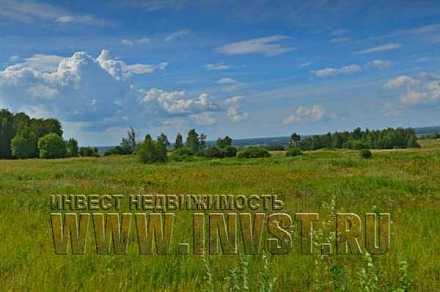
[284, 140]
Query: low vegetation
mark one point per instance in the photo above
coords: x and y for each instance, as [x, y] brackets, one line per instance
[404, 182]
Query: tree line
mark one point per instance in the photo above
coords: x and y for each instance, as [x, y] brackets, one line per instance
[156, 150]
[358, 139]
[24, 137]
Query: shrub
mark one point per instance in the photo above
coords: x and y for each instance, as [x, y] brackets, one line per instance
[293, 151]
[88, 152]
[366, 154]
[51, 146]
[218, 152]
[230, 151]
[181, 154]
[253, 152]
[24, 145]
[214, 152]
[72, 148]
[152, 151]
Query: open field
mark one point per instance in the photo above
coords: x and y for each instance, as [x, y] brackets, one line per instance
[405, 183]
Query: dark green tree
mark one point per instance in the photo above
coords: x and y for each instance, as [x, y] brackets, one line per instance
[224, 142]
[193, 141]
[51, 146]
[24, 144]
[179, 141]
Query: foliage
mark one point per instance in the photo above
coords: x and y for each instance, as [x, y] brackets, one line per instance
[193, 141]
[224, 142]
[181, 154]
[24, 144]
[217, 152]
[365, 153]
[253, 152]
[151, 151]
[293, 151]
[72, 149]
[179, 141]
[27, 131]
[88, 152]
[128, 144]
[51, 146]
[358, 139]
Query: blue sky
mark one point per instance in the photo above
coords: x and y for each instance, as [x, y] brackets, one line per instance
[240, 68]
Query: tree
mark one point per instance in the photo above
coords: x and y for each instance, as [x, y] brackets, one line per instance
[72, 148]
[128, 144]
[88, 152]
[151, 151]
[179, 141]
[294, 139]
[163, 139]
[24, 144]
[51, 146]
[225, 142]
[7, 132]
[193, 141]
[203, 144]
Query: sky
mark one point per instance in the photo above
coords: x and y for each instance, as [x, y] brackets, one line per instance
[257, 68]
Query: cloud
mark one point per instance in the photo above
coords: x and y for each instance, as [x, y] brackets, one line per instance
[77, 89]
[331, 72]
[227, 81]
[204, 119]
[135, 42]
[379, 64]
[381, 48]
[119, 69]
[305, 114]
[428, 33]
[178, 103]
[402, 80]
[233, 112]
[217, 66]
[177, 35]
[416, 90]
[340, 40]
[28, 12]
[267, 46]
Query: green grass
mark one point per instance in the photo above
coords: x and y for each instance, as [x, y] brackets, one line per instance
[405, 183]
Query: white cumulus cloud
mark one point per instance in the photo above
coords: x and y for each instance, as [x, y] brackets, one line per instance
[233, 111]
[305, 114]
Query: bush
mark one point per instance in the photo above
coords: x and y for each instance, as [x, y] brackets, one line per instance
[24, 145]
[181, 154]
[152, 151]
[365, 153]
[293, 151]
[51, 146]
[253, 152]
[218, 152]
[88, 152]
[214, 152]
[118, 150]
[230, 151]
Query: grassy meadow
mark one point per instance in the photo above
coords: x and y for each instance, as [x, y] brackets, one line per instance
[405, 183]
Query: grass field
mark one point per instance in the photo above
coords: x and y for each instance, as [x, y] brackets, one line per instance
[405, 183]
